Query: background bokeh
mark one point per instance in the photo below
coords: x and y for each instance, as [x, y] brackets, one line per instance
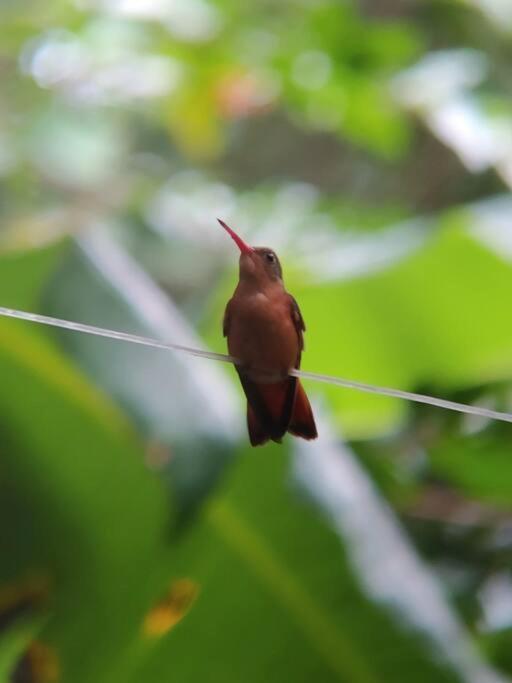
[370, 144]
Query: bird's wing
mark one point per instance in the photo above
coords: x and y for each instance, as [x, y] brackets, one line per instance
[302, 422]
[300, 326]
[227, 319]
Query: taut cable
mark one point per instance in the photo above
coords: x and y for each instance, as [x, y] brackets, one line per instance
[313, 376]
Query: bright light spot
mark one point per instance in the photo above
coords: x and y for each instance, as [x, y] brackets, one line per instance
[490, 224]
[188, 20]
[193, 20]
[137, 9]
[312, 70]
[438, 77]
[496, 600]
[461, 126]
[54, 58]
[291, 208]
[348, 255]
[137, 77]
[185, 206]
[437, 89]
[64, 62]
[498, 11]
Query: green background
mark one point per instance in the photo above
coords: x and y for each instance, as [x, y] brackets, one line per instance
[368, 143]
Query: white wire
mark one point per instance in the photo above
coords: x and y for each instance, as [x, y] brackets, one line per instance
[405, 395]
[327, 379]
[111, 334]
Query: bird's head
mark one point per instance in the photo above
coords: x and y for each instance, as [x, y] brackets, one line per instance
[256, 263]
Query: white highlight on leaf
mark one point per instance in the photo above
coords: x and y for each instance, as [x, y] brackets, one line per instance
[439, 77]
[490, 224]
[496, 600]
[439, 89]
[498, 11]
[92, 75]
[188, 20]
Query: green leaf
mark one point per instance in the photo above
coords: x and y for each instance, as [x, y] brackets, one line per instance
[23, 274]
[77, 504]
[278, 599]
[479, 465]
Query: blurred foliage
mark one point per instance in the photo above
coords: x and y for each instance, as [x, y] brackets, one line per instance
[370, 144]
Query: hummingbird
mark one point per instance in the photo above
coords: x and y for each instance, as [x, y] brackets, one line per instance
[265, 334]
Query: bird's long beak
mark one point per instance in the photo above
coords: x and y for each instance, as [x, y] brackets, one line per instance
[244, 248]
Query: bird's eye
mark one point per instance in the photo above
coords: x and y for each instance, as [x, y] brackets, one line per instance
[270, 257]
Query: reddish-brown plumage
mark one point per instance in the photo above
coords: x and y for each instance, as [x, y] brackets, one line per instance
[264, 330]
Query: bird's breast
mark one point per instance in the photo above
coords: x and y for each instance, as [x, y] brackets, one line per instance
[262, 336]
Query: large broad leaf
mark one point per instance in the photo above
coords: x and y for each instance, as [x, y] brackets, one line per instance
[22, 274]
[278, 598]
[78, 508]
